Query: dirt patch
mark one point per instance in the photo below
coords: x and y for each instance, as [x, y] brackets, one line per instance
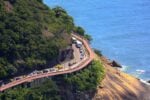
[8, 6]
[48, 34]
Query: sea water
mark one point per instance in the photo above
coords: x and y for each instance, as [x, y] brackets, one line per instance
[120, 29]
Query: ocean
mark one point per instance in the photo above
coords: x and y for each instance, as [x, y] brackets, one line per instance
[120, 29]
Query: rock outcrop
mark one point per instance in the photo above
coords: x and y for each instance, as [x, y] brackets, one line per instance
[116, 64]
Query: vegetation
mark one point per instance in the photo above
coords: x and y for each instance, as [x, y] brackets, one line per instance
[98, 52]
[47, 91]
[88, 37]
[31, 34]
[79, 30]
[87, 79]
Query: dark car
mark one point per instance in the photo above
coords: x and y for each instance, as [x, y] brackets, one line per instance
[17, 78]
[1, 82]
[45, 71]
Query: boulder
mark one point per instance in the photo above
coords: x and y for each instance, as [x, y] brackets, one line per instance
[148, 81]
[116, 64]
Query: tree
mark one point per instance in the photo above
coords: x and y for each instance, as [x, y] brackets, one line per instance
[46, 91]
[23, 43]
[87, 79]
[79, 30]
[88, 37]
[98, 52]
[41, 1]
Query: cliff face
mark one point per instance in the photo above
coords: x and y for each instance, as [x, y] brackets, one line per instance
[120, 86]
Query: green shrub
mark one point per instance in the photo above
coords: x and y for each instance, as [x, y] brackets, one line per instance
[79, 30]
[88, 78]
[47, 91]
[88, 37]
[98, 52]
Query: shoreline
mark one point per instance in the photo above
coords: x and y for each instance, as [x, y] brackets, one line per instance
[120, 85]
[145, 82]
[122, 69]
[140, 79]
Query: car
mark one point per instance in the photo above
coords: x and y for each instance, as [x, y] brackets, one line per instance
[17, 78]
[52, 69]
[74, 39]
[45, 71]
[39, 72]
[74, 62]
[11, 80]
[69, 64]
[59, 66]
[23, 76]
[81, 57]
[78, 44]
[81, 50]
[30, 74]
[1, 83]
[82, 54]
[34, 72]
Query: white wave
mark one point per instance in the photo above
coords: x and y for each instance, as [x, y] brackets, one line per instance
[124, 68]
[140, 71]
[137, 73]
[145, 82]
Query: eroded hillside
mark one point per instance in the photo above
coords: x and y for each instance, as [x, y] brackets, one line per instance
[120, 86]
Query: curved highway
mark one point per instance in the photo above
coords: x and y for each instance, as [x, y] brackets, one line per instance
[79, 66]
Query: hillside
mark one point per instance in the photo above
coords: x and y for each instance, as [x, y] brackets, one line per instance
[89, 83]
[31, 35]
[80, 85]
[118, 85]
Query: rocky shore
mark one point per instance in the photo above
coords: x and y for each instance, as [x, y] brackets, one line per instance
[115, 64]
[118, 85]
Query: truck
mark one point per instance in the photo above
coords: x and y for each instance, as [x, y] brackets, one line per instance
[78, 44]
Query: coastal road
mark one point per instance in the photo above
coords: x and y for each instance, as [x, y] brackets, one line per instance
[77, 67]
